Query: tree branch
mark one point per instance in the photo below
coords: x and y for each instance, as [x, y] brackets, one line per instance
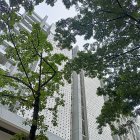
[12, 96]
[22, 64]
[11, 38]
[18, 80]
[119, 4]
[19, 57]
[42, 57]
[108, 11]
[118, 55]
[116, 18]
[54, 72]
[128, 15]
[131, 17]
[46, 82]
[40, 72]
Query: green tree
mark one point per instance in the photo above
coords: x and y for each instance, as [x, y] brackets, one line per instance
[114, 25]
[8, 16]
[105, 21]
[28, 88]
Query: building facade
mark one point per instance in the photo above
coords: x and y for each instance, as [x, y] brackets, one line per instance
[63, 129]
[86, 106]
[11, 123]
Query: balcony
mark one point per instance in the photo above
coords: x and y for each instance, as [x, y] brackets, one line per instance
[10, 124]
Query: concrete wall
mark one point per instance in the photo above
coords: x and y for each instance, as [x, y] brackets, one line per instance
[4, 136]
[13, 123]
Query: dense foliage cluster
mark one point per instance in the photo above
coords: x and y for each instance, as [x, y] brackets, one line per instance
[115, 27]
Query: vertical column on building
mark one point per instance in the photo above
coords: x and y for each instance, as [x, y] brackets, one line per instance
[79, 114]
[83, 108]
[76, 104]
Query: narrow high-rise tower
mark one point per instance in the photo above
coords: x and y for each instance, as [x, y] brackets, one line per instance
[86, 106]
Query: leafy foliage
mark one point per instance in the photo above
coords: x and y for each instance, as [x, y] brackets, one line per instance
[108, 22]
[20, 136]
[115, 27]
[27, 88]
[8, 16]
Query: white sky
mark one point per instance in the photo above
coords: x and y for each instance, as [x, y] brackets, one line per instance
[54, 13]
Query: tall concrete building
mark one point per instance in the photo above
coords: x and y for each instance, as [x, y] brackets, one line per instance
[86, 106]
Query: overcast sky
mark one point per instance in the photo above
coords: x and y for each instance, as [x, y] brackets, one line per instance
[54, 13]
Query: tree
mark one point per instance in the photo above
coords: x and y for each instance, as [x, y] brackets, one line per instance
[115, 27]
[7, 15]
[26, 87]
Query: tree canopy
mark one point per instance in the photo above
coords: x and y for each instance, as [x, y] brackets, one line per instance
[105, 21]
[27, 89]
[114, 26]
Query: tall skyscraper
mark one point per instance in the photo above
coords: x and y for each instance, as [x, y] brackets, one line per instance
[86, 106]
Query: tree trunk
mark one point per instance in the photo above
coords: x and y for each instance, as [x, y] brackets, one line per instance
[35, 118]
